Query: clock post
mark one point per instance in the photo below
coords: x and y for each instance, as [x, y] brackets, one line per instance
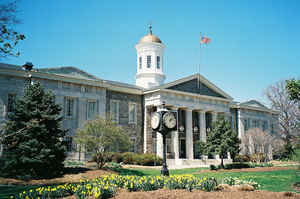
[164, 121]
[164, 171]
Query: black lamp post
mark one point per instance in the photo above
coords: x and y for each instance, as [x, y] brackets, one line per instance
[28, 67]
[164, 121]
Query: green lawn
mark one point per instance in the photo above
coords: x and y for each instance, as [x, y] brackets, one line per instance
[277, 181]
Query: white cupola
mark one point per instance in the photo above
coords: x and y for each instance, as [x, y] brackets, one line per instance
[150, 51]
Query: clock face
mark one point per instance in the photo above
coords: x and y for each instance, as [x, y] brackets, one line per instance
[169, 120]
[155, 120]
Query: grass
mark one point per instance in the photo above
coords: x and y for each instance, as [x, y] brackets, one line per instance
[277, 181]
[155, 172]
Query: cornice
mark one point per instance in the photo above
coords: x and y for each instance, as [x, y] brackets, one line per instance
[57, 77]
[189, 94]
[254, 108]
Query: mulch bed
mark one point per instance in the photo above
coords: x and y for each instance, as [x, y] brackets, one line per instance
[67, 178]
[183, 194]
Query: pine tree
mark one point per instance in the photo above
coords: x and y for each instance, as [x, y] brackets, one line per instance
[32, 138]
[222, 139]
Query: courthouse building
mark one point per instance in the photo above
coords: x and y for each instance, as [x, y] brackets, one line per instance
[196, 100]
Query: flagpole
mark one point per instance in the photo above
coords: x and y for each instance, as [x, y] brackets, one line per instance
[199, 66]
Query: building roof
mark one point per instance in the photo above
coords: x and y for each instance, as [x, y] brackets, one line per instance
[253, 105]
[70, 71]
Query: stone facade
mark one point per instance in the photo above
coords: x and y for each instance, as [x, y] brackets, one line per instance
[133, 129]
[80, 94]
[91, 96]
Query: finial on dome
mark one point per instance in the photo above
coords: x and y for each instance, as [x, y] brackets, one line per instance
[150, 29]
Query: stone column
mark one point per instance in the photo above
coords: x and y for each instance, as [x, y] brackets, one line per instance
[214, 116]
[175, 143]
[240, 125]
[241, 131]
[202, 126]
[159, 145]
[189, 135]
[270, 153]
[146, 112]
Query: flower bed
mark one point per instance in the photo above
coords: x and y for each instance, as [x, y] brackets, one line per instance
[107, 186]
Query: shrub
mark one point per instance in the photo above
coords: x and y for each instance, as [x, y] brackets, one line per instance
[236, 165]
[235, 181]
[258, 157]
[73, 163]
[213, 167]
[114, 164]
[128, 157]
[241, 158]
[253, 165]
[117, 157]
[147, 159]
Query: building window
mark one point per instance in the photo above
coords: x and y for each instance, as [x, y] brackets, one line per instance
[132, 113]
[148, 61]
[114, 110]
[265, 125]
[11, 102]
[246, 124]
[66, 85]
[91, 109]
[256, 123]
[158, 62]
[86, 89]
[69, 106]
[69, 144]
[140, 62]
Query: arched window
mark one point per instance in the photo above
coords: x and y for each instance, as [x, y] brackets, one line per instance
[140, 62]
[148, 61]
[158, 62]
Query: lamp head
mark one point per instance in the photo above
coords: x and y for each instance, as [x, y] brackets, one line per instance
[27, 66]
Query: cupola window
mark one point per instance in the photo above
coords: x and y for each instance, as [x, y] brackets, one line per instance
[148, 61]
[158, 62]
[140, 62]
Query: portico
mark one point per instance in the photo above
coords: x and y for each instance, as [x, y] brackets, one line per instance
[195, 114]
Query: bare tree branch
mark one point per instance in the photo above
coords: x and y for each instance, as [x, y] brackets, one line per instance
[289, 113]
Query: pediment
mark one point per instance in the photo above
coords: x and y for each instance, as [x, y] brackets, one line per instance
[197, 84]
[253, 103]
[69, 71]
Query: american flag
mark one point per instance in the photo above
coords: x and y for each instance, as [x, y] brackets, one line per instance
[205, 40]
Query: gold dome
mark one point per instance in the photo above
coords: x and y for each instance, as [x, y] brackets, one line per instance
[150, 37]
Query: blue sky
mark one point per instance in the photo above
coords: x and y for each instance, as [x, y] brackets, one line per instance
[254, 43]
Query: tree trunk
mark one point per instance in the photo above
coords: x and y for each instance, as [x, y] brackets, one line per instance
[222, 162]
[98, 161]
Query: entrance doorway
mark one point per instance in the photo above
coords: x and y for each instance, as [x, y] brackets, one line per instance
[182, 149]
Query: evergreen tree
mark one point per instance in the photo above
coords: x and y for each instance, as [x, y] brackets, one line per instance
[222, 139]
[32, 138]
